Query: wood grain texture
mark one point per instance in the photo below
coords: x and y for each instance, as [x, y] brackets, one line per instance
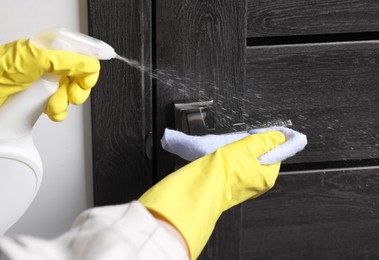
[121, 102]
[329, 92]
[200, 46]
[323, 215]
[309, 17]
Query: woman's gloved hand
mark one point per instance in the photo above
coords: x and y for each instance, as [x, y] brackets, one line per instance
[192, 198]
[21, 64]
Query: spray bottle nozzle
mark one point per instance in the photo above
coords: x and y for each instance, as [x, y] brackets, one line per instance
[62, 39]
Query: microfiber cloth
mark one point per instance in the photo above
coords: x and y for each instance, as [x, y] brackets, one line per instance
[191, 147]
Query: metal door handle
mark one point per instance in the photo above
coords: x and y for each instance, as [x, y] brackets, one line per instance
[198, 118]
[194, 118]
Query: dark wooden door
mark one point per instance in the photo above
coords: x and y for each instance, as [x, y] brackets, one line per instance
[312, 62]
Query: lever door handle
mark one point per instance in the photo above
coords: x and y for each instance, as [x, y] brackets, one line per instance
[194, 118]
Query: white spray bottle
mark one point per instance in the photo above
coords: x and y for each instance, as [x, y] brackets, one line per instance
[20, 163]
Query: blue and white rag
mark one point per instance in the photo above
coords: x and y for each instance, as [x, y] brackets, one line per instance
[191, 148]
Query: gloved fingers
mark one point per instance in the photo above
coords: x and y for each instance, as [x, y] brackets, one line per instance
[295, 142]
[83, 72]
[88, 81]
[78, 92]
[59, 117]
[56, 108]
[262, 143]
[71, 90]
[241, 158]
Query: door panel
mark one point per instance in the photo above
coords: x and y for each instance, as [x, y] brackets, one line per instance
[318, 215]
[305, 17]
[328, 91]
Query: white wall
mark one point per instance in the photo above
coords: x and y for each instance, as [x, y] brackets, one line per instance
[65, 147]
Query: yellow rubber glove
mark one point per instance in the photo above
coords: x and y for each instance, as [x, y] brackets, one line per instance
[193, 198]
[21, 64]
